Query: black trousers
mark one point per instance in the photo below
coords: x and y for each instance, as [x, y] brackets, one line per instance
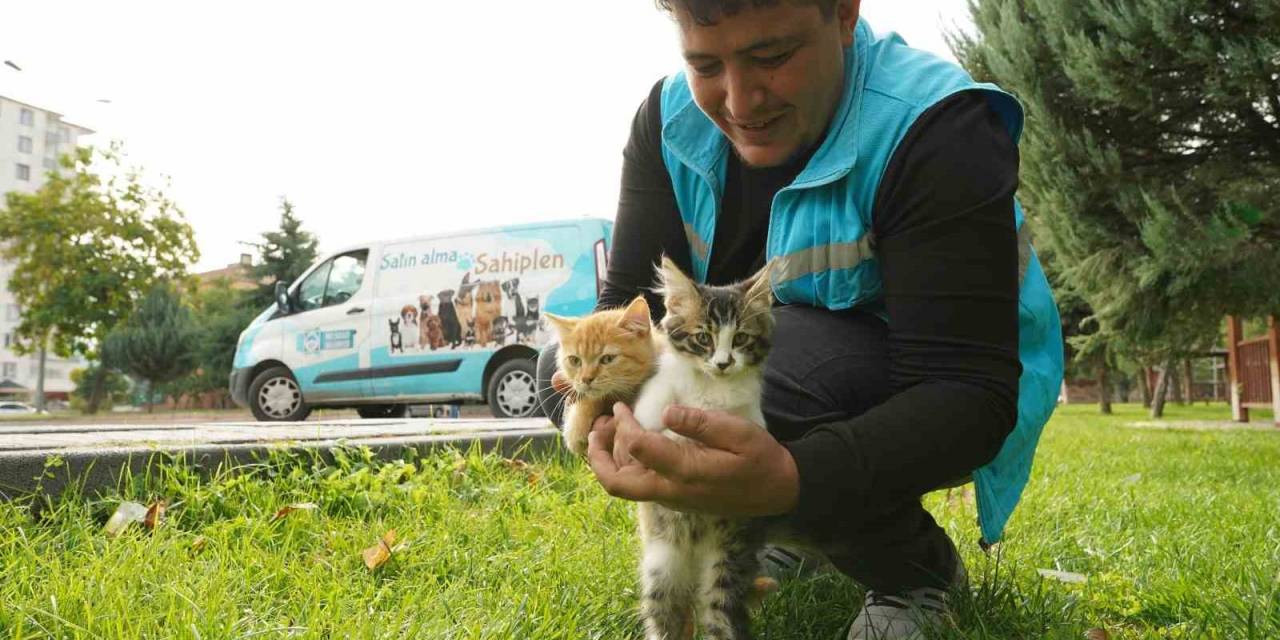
[827, 366]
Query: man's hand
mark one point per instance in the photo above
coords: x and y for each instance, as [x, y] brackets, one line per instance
[730, 466]
[560, 382]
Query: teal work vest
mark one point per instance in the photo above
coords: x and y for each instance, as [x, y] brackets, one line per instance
[820, 224]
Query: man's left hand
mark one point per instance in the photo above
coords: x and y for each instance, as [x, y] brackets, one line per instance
[729, 466]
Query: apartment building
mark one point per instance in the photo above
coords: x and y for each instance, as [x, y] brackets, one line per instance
[31, 139]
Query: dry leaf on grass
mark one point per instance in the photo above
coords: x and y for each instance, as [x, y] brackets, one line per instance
[126, 514]
[531, 473]
[379, 554]
[1097, 633]
[155, 515]
[1063, 576]
[198, 543]
[297, 506]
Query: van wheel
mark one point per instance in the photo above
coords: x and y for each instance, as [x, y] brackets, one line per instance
[274, 396]
[513, 392]
[382, 411]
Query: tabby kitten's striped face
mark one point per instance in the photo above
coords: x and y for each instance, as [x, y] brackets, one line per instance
[724, 330]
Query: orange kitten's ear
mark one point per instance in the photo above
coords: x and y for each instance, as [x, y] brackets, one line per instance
[676, 286]
[636, 317]
[564, 326]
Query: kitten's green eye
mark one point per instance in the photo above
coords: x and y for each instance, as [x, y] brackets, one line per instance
[607, 358]
[573, 361]
[741, 339]
[702, 338]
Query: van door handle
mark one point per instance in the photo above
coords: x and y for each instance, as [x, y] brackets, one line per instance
[354, 310]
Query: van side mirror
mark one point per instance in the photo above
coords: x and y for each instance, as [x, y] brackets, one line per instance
[282, 297]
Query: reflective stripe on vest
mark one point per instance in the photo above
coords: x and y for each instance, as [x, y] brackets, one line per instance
[822, 258]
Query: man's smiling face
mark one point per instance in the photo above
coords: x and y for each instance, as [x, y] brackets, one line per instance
[769, 77]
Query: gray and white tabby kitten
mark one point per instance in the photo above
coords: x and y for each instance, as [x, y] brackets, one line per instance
[698, 564]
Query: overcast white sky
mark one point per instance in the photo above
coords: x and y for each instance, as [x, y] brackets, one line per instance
[388, 119]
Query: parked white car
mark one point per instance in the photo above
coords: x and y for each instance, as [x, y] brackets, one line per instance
[9, 407]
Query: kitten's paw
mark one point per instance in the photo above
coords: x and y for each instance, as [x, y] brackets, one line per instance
[576, 445]
[576, 428]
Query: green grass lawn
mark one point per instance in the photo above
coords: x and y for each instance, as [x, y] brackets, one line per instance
[1177, 532]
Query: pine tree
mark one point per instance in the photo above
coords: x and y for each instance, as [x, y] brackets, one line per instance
[222, 312]
[156, 343]
[284, 255]
[1150, 160]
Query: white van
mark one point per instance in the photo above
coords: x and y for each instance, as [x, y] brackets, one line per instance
[436, 319]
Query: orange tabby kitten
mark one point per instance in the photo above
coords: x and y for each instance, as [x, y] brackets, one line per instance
[605, 358]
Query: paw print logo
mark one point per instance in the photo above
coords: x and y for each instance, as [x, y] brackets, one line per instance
[464, 262]
[311, 342]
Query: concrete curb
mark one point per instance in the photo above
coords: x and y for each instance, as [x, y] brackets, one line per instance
[23, 472]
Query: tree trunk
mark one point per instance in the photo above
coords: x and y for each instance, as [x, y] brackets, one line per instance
[44, 355]
[148, 397]
[1144, 386]
[1104, 387]
[1175, 384]
[1188, 381]
[95, 391]
[1162, 389]
[1178, 384]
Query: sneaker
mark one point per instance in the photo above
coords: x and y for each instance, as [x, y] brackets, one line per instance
[904, 616]
[783, 563]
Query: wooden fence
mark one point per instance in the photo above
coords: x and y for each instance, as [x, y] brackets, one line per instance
[1254, 367]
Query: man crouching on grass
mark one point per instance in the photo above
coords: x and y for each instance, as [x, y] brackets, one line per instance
[917, 343]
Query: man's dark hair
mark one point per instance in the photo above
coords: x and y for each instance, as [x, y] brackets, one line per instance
[707, 12]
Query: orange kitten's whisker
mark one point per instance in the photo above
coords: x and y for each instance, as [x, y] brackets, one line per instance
[567, 396]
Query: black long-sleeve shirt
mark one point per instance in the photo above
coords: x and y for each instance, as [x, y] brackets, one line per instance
[945, 239]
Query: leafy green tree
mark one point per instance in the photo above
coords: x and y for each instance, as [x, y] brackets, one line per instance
[115, 387]
[156, 343]
[284, 254]
[1151, 159]
[221, 312]
[85, 247]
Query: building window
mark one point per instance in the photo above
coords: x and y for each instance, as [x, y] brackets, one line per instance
[27, 117]
[10, 370]
[12, 312]
[50, 163]
[8, 340]
[24, 144]
[24, 172]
